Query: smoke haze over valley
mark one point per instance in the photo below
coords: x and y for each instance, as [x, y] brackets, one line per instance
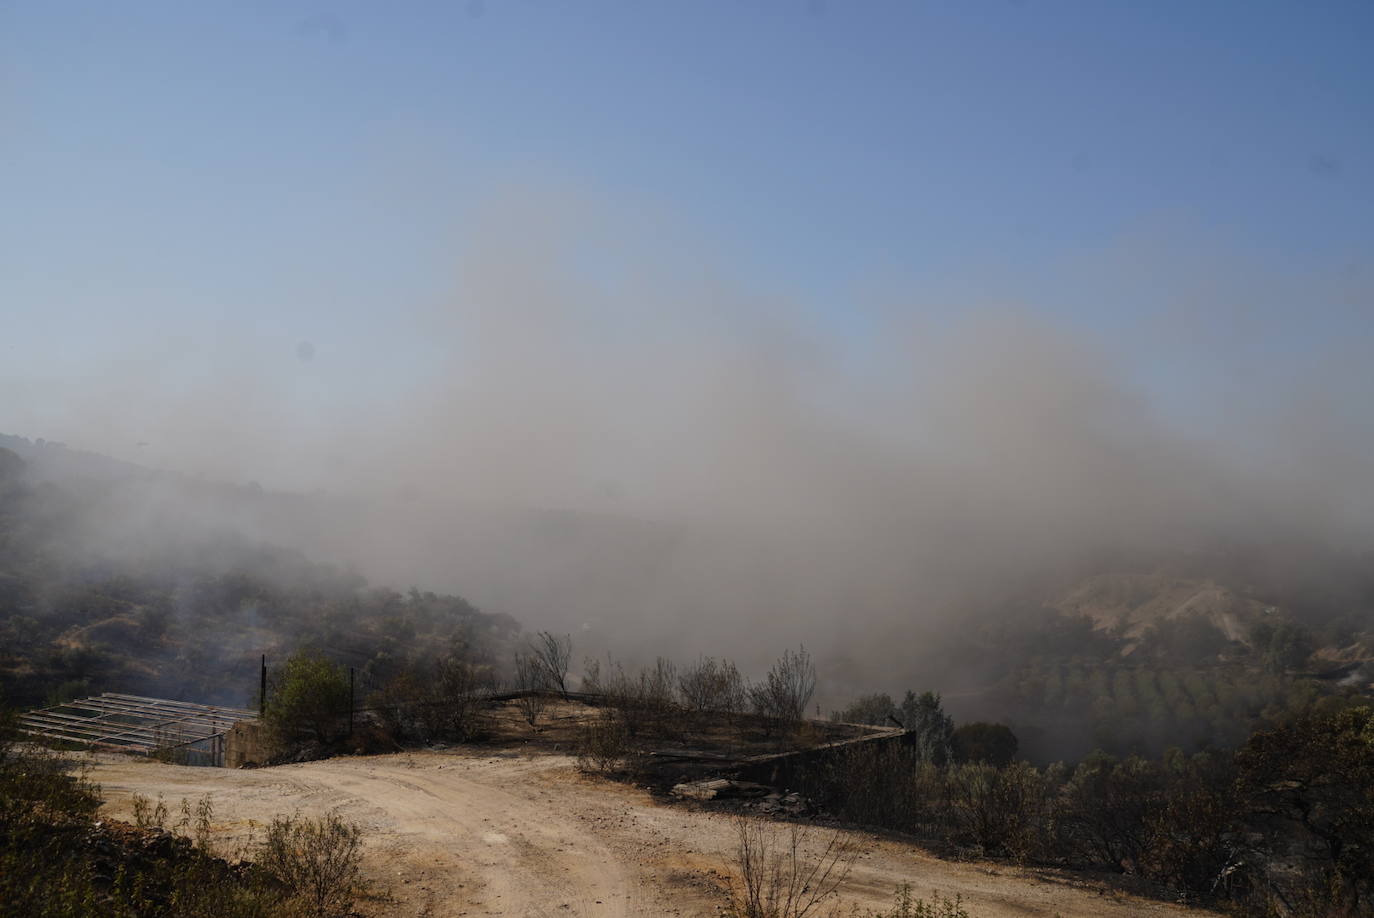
[627, 449]
[569, 395]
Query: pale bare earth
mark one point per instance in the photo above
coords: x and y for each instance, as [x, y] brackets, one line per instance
[460, 833]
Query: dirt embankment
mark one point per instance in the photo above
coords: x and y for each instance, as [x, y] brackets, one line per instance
[462, 833]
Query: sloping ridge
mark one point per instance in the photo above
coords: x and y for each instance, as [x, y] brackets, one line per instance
[1131, 603]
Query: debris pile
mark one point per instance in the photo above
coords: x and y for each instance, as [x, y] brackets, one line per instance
[766, 800]
[783, 804]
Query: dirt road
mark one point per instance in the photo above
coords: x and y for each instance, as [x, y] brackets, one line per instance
[456, 833]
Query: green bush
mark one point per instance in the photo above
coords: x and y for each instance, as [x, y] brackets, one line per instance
[310, 696]
[938, 906]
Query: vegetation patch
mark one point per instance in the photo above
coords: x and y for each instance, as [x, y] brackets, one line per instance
[58, 861]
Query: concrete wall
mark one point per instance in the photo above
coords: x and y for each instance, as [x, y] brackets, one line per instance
[781, 770]
[245, 744]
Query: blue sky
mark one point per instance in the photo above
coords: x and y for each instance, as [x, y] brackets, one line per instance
[173, 174]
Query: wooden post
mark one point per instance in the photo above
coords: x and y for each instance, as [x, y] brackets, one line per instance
[350, 701]
[262, 693]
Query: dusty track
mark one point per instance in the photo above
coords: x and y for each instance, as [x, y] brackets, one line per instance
[454, 833]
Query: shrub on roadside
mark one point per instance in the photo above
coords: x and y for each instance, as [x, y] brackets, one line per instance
[938, 906]
[1001, 811]
[603, 745]
[776, 878]
[316, 861]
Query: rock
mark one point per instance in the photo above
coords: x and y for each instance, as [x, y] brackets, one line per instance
[789, 804]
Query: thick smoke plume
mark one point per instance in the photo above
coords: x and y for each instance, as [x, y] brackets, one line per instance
[597, 432]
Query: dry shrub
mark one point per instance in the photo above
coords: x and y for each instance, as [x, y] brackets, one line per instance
[775, 877]
[603, 745]
[645, 702]
[446, 699]
[316, 861]
[458, 695]
[149, 815]
[879, 784]
[1001, 811]
[531, 682]
[781, 698]
[712, 686]
[393, 706]
[551, 654]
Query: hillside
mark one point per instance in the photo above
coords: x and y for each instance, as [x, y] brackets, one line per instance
[113, 576]
[548, 567]
[1135, 607]
[187, 614]
[1131, 604]
[1138, 661]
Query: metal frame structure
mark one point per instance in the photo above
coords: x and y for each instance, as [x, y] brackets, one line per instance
[193, 733]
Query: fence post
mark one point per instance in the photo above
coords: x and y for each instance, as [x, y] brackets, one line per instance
[350, 701]
[262, 692]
